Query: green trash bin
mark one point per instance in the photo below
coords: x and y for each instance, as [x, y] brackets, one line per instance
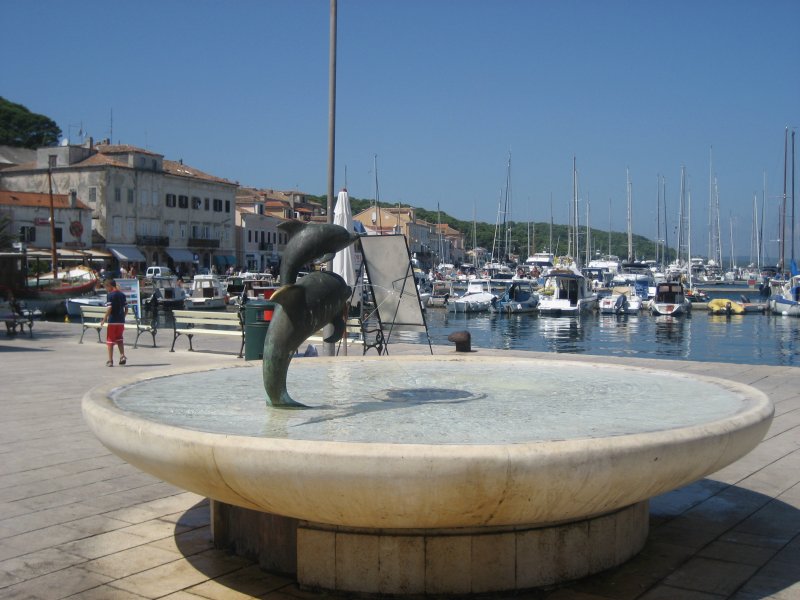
[257, 315]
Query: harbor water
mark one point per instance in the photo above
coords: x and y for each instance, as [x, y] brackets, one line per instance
[754, 339]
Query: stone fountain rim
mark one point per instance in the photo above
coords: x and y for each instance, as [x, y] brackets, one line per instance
[401, 485]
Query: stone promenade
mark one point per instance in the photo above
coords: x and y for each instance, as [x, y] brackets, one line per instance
[78, 522]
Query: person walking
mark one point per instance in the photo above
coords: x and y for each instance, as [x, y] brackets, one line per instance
[117, 309]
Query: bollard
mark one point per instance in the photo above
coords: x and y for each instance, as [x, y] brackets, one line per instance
[462, 340]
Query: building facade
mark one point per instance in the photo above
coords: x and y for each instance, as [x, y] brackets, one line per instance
[146, 210]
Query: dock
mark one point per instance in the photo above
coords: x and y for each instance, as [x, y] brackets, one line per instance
[78, 522]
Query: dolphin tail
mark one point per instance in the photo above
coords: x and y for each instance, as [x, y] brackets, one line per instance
[338, 330]
[292, 227]
[325, 258]
[286, 401]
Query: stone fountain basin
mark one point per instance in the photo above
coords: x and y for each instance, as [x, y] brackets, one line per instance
[431, 442]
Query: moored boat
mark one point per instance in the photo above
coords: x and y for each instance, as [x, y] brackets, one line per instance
[519, 298]
[670, 300]
[477, 298]
[48, 294]
[566, 293]
[206, 293]
[724, 306]
[785, 296]
[623, 300]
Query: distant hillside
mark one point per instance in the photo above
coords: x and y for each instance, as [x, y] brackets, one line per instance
[643, 248]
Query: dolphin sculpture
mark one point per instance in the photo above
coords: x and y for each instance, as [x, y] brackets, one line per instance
[308, 242]
[304, 307]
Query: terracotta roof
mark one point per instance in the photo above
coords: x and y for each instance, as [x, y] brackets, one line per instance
[36, 200]
[123, 149]
[176, 168]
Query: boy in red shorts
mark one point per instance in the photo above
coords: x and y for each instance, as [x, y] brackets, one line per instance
[117, 309]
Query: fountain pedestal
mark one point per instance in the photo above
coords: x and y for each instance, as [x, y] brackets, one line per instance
[432, 475]
[432, 561]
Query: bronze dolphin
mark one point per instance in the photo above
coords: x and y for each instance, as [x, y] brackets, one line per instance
[317, 299]
[309, 241]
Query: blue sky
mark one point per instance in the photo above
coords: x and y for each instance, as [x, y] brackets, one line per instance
[441, 91]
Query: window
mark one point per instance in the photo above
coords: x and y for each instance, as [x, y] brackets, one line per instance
[118, 194]
[183, 201]
[206, 232]
[92, 195]
[169, 227]
[183, 230]
[196, 203]
[262, 237]
[249, 236]
[155, 198]
[52, 161]
[227, 206]
[207, 204]
[130, 226]
[155, 227]
[130, 196]
[142, 227]
[217, 205]
[195, 231]
[27, 234]
[170, 200]
[116, 224]
[155, 164]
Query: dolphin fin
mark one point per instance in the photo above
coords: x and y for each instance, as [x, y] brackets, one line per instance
[324, 258]
[290, 298]
[338, 331]
[292, 227]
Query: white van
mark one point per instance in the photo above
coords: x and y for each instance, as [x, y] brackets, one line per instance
[158, 272]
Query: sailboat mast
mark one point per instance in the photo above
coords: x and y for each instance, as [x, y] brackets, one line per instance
[377, 209]
[630, 201]
[573, 246]
[588, 231]
[550, 241]
[793, 219]
[665, 256]
[658, 214]
[53, 250]
[609, 227]
[782, 232]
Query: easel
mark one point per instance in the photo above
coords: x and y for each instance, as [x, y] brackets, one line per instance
[392, 290]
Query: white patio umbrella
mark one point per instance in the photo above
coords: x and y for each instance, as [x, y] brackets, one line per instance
[344, 260]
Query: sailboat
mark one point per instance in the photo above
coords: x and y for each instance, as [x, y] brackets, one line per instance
[47, 292]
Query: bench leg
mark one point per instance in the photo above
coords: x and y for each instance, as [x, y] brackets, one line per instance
[241, 349]
[82, 334]
[174, 338]
[189, 335]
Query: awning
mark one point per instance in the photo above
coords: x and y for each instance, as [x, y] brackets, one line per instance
[129, 253]
[181, 255]
[96, 254]
[224, 260]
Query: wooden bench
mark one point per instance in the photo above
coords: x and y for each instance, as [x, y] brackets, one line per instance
[19, 320]
[194, 322]
[91, 317]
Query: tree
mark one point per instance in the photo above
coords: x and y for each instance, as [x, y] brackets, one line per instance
[22, 128]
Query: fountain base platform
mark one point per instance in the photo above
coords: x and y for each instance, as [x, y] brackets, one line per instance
[457, 474]
[392, 562]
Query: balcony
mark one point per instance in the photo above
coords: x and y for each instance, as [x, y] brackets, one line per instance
[203, 243]
[266, 246]
[152, 240]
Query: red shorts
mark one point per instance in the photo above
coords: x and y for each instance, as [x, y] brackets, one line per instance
[114, 332]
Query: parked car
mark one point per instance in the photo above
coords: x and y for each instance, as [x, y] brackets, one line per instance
[158, 272]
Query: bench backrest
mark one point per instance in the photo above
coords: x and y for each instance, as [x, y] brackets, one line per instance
[200, 317]
[98, 312]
